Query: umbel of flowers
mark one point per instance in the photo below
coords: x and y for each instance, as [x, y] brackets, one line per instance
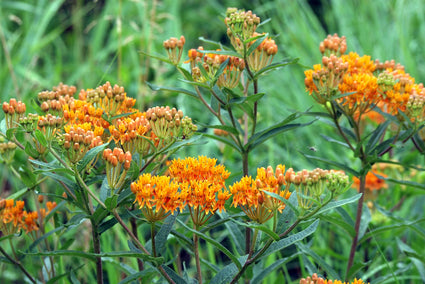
[314, 279]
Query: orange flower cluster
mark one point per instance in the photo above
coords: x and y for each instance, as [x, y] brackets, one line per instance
[14, 110]
[196, 183]
[250, 196]
[157, 196]
[314, 279]
[202, 185]
[117, 165]
[211, 63]
[13, 217]
[366, 83]
[132, 134]
[373, 182]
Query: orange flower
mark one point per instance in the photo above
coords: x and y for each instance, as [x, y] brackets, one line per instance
[202, 184]
[373, 182]
[314, 279]
[250, 195]
[157, 196]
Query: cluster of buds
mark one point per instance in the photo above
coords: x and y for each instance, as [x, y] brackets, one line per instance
[324, 81]
[388, 64]
[29, 122]
[172, 45]
[131, 134]
[7, 150]
[49, 125]
[310, 185]
[333, 44]
[263, 54]
[415, 106]
[211, 63]
[386, 81]
[78, 141]
[14, 110]
[315, 279]
[168, 125]
[241, 26]
[117, 165]
[111, 99]
[53, 101]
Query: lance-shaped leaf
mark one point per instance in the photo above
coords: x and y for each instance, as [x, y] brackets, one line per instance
[273, 130]
[292, 239]
[214, 243]
[275, 66]
[158, 57]
[247, 99]
[260, 227]
[376, 136]
[258, 40]
[226, 141]
[90, 155]
[172, 89]
[339, 203]
[93, 256]
[319, 260]
[228, 272]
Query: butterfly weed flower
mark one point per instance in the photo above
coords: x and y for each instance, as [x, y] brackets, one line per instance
[315, 279]
[174, 48]
[157, 196]
[333, 44]
[249, 195]
[117, 165]
[14, 110]
[132, 134]
[202, 184]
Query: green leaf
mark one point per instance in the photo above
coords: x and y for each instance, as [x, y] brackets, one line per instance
[162, 236]
[250, 99]
[340, 223]
[235, 233]
[292, 239]
[58, 277]
[403, 182]
[93, 256]
[111, 202]
[106, 225]
[158, 57]
[280, 198]
[288, 216]
[220, 71]
[40, 137]
[139, 275]
[90, 156]
[258, 40]
[228, 272]
[173, 275]
[376, 136]
[262, 228]
[30, 150]
[275, 66]
[27, 176]
[258, 278]
[214, 243]
[417, 258]
[172, 89]
[398, 226]
[18, 194]
[333, 163]
[229, 129]
[338, 203]
[226, 141]
[320, 261]
[278, 128]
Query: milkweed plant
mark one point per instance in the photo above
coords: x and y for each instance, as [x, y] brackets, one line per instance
[99, 168]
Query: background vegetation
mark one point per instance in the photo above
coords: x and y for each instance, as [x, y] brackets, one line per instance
[85, 43]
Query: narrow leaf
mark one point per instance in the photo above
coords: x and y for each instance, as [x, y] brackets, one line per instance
[40, 137]
[292, 239]
[172, 89]
[262, 228]
[228, 272]
[338, 203]
[213, 242]
[275, 66]
[90, 156]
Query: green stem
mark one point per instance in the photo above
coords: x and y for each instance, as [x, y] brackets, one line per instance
[96, 249]
[196, 251]
[357, 225]
[153, 239]
[17, 263]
